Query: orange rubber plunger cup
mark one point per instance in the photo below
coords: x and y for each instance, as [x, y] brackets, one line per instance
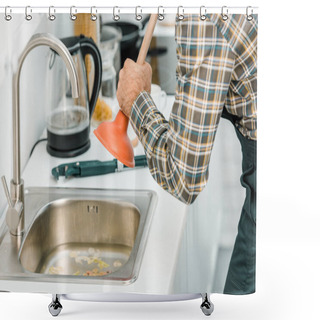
[113, 135]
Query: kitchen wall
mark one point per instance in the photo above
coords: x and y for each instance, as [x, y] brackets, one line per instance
[14, 36]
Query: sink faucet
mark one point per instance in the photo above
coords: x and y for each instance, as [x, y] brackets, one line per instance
[15, 213]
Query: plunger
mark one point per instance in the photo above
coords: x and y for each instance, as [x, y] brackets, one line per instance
[113, 135]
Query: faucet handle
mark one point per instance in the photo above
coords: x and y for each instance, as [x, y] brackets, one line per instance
[6, 190]
[14, 210]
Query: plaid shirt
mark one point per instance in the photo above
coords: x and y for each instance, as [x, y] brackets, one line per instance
[216, 68]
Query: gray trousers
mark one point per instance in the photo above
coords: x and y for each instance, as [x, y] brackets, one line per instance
[242, 268]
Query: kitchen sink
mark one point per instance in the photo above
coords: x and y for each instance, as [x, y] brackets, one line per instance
[81, 235]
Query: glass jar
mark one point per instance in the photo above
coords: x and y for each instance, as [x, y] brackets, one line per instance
[108, 84]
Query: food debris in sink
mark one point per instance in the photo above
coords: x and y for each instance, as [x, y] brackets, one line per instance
[55, 270]
[84, 261]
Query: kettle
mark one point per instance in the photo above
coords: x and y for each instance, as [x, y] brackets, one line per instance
[68, 119]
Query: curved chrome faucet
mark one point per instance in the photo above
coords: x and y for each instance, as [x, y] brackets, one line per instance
[15, 213]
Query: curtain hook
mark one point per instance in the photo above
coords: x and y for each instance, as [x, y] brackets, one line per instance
[73, 17]
[93, 15]
[160, 15]
[51, 15]
[224, 13]
[138, 16]
[7, 16]
[28, 16]
[180, 13]
[116, 17]
[203, 13]
[249, 16]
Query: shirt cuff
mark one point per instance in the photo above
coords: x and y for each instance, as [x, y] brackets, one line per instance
[142, 107]
[147, 122]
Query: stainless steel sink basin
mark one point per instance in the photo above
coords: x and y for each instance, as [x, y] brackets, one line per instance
[84, 235]
[81, 237]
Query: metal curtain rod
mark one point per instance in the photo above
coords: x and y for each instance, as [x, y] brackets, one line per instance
[29, 10]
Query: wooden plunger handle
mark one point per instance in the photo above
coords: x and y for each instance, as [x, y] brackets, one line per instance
[147, 39]
[144, 51]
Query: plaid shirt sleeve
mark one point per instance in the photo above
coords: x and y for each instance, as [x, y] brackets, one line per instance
[179, 150]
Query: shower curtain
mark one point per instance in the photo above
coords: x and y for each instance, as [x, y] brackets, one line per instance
[183, 220]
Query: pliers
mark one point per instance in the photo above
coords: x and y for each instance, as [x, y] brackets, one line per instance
[93, 167]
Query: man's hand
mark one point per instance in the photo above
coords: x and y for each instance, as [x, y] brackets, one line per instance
[133, 79]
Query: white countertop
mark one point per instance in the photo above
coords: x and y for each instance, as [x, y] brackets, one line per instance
[159, 260]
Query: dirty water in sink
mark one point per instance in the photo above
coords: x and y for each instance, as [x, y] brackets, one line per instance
[85, 259]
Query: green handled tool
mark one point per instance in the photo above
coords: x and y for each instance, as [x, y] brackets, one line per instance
[93, 167]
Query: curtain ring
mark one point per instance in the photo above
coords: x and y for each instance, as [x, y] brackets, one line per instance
[93, 15]
[116, 17]
[180, 13]
[138, 16]
[73, 17]
[249, 16]
[7, 16]
[203, 13]
[28, 16]
[160, 15]
[51, 15]
[224, 13]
